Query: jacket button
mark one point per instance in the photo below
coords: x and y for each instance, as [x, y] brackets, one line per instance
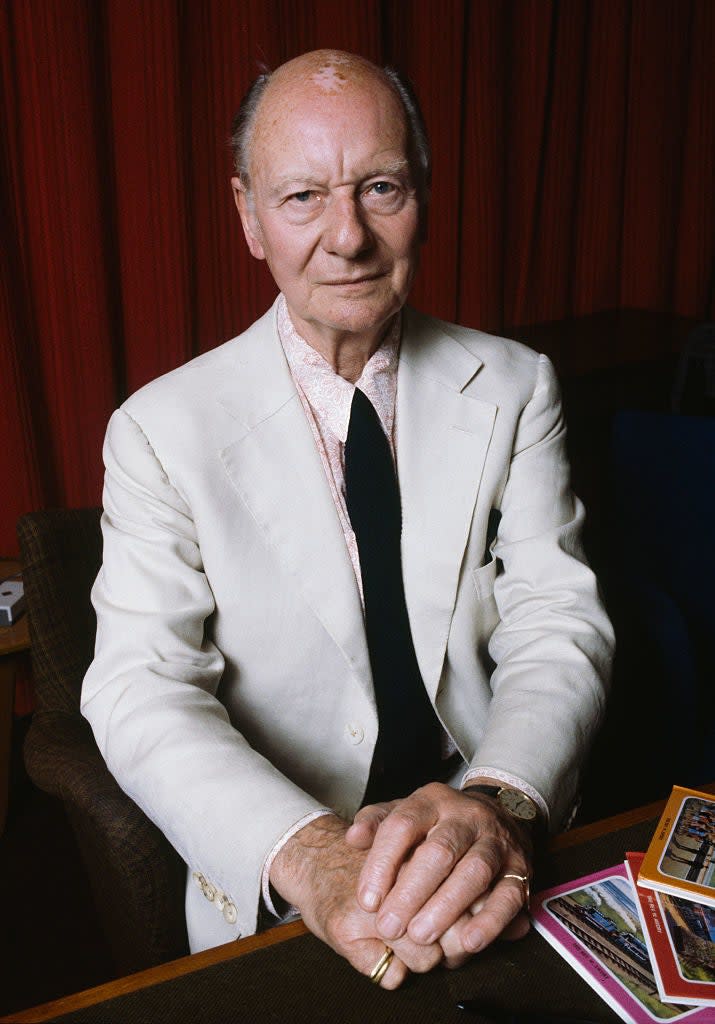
[230, 914]
[354, 732]
[209, 891]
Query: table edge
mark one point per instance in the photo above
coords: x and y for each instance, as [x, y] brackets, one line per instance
[281, 933]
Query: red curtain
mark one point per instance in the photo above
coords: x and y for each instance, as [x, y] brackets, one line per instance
[574, 152]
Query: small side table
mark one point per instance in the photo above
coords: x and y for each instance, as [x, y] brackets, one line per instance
[14, 641]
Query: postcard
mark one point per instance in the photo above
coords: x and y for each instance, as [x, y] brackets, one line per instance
[681, 857]
[594, 924]
[680, 935]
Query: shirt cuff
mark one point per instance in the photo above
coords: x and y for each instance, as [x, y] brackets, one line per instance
[266, 876]
[508, 780]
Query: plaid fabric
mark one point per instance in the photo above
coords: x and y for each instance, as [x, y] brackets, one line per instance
[137, 879]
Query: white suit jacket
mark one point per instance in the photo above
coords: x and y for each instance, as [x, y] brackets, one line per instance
[231, 691]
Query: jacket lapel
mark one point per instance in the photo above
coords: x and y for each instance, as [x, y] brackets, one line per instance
[277, 472]
[443, 436]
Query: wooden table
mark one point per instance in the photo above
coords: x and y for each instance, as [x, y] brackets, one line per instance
[14, 641]
[315, 973]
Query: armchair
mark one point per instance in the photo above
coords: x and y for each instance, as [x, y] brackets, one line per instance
[136, 877]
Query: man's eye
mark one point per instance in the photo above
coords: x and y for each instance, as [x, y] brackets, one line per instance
[382, 188]
[303, 197]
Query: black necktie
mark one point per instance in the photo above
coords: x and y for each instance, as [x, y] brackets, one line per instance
[407, 753]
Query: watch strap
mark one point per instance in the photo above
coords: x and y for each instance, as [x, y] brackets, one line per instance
[482, 787]
[497, 793]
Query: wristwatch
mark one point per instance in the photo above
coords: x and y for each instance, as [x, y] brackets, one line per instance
[518, 804]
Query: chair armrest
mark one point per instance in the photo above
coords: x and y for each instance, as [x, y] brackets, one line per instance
[62, 758]
[135, 874]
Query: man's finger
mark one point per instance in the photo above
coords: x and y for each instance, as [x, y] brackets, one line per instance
[472, 877]
[439, 882]
[502, 906]
[517, 928]
[451, 942]
[405, 825]
[373, 957]
[418, 959]
[388, 966]
[455, 954]
[361, 833]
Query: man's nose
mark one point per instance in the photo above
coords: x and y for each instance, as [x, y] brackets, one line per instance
[347, 233]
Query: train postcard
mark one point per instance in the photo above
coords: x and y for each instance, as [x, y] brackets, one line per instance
[594, 924]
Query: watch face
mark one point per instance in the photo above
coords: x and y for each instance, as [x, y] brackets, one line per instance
[517, 804]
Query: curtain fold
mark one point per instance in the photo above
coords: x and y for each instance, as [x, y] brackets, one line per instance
[574, 161]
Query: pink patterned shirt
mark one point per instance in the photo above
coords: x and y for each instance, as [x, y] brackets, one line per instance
[326, 398]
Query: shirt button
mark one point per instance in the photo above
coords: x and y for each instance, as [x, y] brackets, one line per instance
[354, 732]
[209, 891]
[230, 915]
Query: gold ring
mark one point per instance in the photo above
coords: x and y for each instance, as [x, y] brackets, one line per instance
[524, 879]
[380, 969]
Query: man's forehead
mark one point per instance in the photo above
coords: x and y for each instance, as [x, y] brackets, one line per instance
[329, 78]
[325, 79]
[332, 72]
[326, 93]
[324, 107]
[328, 70]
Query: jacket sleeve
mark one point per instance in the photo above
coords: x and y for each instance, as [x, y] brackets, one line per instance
[150, 693]
[553, 644]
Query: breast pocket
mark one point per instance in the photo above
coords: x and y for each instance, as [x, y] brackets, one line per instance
[483, 579]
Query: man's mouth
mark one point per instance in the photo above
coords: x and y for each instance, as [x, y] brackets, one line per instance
[346, 282]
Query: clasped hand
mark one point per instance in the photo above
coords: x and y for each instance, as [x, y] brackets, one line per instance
[423, 875]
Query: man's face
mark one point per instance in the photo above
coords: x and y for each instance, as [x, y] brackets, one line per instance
[333, 206]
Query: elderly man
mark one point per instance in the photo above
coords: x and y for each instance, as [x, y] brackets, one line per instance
[285, 636]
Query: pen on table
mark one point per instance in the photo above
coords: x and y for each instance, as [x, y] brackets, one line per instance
[518, 1017]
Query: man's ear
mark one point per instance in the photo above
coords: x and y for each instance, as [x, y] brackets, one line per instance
[251, 227]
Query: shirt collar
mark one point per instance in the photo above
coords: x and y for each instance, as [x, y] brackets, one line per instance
[330, 395]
